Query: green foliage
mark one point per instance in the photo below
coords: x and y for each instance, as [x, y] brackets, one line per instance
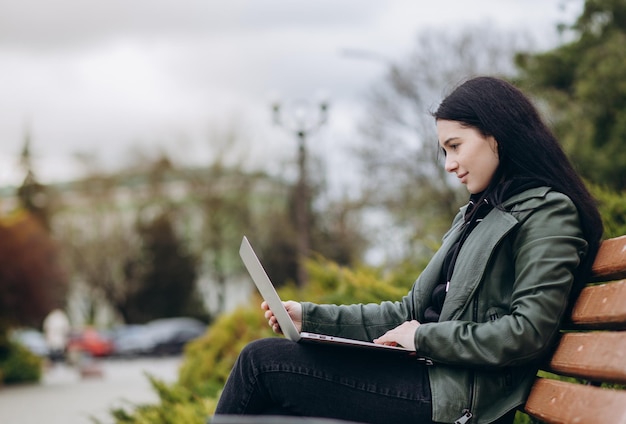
[583, 86]
[522, 418]
[612, 206]
[178, 406]
[20, 365]
[332, 283]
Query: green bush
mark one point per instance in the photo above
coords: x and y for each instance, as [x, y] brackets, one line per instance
[612, 207]
[332, 283]
[178, 405]
[20, 365]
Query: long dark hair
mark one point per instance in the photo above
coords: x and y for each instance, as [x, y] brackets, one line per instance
[527, 149]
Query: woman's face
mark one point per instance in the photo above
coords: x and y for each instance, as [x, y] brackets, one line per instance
[470, 155]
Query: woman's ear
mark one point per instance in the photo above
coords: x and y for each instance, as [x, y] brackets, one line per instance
[495, 147]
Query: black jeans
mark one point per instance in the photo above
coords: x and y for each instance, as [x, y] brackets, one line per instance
[276, 376]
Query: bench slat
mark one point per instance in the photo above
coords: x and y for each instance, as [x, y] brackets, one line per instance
[610, 262]
[596, 356]
[601, 306]
[558, 402]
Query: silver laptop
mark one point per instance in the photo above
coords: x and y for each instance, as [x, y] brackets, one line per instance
[267, 290]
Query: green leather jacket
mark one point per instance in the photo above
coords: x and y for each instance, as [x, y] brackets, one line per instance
[501, 315]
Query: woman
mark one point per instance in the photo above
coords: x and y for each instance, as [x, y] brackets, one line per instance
[487, 308]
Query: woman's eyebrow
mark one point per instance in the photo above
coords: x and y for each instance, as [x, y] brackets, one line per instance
[445, 143]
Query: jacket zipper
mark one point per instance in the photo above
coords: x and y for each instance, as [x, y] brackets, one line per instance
[467, 414]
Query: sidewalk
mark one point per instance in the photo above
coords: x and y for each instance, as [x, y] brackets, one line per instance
[64, 397]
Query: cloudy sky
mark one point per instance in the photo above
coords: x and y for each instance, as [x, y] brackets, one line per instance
[102, 77]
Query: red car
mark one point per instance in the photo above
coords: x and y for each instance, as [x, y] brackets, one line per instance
[91, 341]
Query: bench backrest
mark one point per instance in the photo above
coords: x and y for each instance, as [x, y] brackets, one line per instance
[592, 350]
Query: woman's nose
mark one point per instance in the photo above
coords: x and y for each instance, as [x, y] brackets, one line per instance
[450, 164]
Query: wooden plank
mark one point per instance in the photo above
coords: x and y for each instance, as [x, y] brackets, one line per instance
[558, 402]
[595, 356]
[601, 306]
[610, 262]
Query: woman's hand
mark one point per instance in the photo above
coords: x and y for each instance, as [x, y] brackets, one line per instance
[294, 309]
[403, 335]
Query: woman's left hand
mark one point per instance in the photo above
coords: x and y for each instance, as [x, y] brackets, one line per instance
[403, 335]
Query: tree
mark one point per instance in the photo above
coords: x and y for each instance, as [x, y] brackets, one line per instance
[167, 287]
[226, 196]
[32, 281]
[95, 227]
[34, 196]
[399, 153]
[582, 84]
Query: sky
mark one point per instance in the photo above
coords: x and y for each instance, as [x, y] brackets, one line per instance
[111, 78]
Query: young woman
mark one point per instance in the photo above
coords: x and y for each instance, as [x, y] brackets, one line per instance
[487, 308]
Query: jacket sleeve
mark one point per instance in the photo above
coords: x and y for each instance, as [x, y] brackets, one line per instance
[359, 321]
[545, 251]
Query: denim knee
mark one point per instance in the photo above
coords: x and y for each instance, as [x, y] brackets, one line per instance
[259, 353]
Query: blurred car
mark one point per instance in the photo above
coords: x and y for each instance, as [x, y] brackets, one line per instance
[31, 339]
[91, 341]
[170, 335]
[132, 340]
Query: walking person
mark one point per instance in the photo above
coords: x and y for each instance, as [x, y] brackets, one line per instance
[487, 308]
[56, 327]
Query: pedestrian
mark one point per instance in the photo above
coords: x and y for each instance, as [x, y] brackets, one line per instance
[56, 327]
[486, 310]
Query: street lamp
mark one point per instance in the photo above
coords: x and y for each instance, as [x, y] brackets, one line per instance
[305, 118]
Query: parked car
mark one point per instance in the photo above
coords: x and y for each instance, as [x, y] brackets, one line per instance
[170, 335]
[91, 341]
[31, 339]
[132, 340]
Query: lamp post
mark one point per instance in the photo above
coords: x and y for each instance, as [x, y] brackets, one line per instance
[305, 119]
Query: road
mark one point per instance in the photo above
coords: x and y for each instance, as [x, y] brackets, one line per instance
[64, 397]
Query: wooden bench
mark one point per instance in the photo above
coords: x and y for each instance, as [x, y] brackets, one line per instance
[592, 349]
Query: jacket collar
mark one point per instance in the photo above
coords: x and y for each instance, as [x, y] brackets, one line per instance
[537, 192]
[533, 193]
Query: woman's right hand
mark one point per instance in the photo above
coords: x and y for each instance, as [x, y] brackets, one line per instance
[294, 309]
